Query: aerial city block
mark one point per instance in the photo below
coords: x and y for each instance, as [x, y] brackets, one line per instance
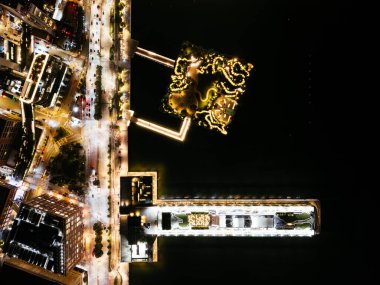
[71, 211]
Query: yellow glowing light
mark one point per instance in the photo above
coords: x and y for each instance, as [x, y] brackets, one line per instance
[155, 57]
[231, 84]
[212, 89]
[165, 131]
[29, 79]
[199, 219]
[212, 122]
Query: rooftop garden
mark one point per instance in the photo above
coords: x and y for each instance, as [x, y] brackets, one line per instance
[206, 86]
[293, 217]
[303, 226]
[183, 220]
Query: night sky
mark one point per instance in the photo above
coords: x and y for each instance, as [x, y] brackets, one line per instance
[301, 130]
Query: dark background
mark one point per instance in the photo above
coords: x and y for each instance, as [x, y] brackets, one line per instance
[301, 130]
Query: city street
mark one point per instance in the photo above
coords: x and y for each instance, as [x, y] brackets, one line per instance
[97, 136]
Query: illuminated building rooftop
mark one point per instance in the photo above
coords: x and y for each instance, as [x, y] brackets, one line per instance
[7, 194]
[145, 217]
[47, 232]
[233, 220]
[46, 82]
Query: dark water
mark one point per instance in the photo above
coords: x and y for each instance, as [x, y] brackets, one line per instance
[297, 133]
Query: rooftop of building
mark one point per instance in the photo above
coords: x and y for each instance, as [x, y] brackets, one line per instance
[137, 189]
[37, 238]
[10, 82]
[47, 77]
[51, 82]
[38, 232]
[58, 206]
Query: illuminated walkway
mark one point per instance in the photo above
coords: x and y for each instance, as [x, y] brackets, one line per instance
[145, 217]
[231, 221]
[168, 62]
[228, 218]
[143, 225]
[181, 135]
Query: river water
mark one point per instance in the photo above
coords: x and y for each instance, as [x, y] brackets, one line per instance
[291, 136]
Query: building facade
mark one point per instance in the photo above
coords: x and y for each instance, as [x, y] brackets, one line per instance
[7, 194]
[48, 232]
[8, 132]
